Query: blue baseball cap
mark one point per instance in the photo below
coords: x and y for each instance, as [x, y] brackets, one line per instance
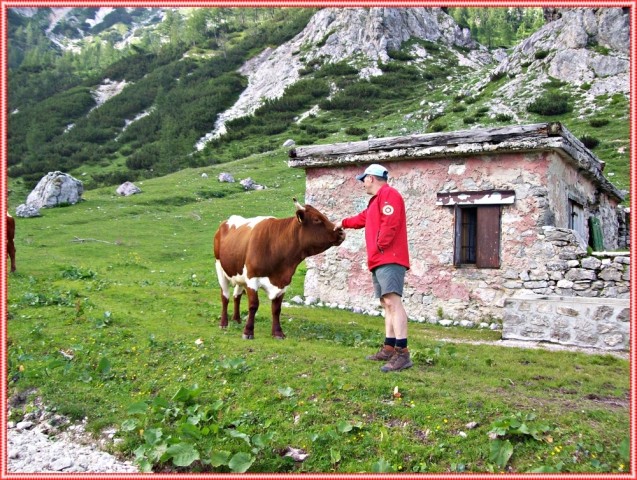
[374, 169]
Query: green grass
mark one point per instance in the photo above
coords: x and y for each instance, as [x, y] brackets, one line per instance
[127, 286]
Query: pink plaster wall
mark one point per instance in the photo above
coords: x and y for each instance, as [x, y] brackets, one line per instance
[539, 180]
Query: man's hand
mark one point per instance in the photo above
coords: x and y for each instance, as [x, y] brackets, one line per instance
[338, 225]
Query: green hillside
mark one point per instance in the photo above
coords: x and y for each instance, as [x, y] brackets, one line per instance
[125, 288]
[183, 86]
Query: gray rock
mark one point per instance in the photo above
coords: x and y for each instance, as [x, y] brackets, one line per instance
[27, 211]
[56, 188]
[127, 189]
[226, 177]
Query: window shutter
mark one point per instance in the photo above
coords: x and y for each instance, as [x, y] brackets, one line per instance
[488, 237]
[457, 238]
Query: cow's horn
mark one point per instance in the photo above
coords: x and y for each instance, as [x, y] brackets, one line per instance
[298, 205]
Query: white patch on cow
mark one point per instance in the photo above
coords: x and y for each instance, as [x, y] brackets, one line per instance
[241, 281]
[237, 221]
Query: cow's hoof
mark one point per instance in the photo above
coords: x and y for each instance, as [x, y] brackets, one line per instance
[248, 337]
[279, 337]
[223, 327]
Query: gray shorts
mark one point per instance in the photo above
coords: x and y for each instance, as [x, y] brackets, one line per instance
[388, 279]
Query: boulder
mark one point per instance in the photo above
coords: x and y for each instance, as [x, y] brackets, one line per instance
[249, 184]
[127, 189]
[27, 211]
[226, 177]
[56, 188]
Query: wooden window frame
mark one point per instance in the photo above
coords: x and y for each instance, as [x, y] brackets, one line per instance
[477, 236]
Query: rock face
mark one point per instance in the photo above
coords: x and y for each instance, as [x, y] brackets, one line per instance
[56, 188]
[579, 46]
[337, 34]
[127, 189]
[27, 211]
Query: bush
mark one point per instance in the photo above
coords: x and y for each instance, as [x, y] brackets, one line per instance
[437, 127]
[598, 122]
[355, 131]
[588, 141]
[399, 55]
[551, 103]
[540, 54]
[339, 69]
[503, 117]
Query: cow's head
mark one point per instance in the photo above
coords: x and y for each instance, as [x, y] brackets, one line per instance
[317, 232]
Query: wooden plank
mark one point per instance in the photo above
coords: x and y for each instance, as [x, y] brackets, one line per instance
[488, 244]
[481, 135]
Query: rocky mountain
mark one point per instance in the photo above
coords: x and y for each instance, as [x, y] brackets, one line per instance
[583, 47]
[362, 36]
[68, 28]
[157, 109]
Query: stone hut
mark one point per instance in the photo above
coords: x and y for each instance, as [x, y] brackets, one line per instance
[494, 214]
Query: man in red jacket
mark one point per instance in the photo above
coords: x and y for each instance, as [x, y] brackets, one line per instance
[385, 226]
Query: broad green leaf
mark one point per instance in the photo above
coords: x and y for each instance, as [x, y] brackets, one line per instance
[219, 458]
[286, 392]
[237, 434]
[335, 455]
[381, 466]
[624, 449]
[137, 408]
[501, 451]
[189, 430]
[104, 367]
[262, 440]
[344, 426]
[152, 435]
[240, 462]
[129, 425]
[545, 469]
[183, 454]
[145, 466]
[186, 394]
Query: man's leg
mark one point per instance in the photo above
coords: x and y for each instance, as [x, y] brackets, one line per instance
[388, 349]
[395, 312]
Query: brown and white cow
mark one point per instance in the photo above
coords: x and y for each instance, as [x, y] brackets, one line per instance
[10, 242]
[263, 252]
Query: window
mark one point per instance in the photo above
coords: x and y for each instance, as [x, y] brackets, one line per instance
[576, 217]
[477, 236]
[477, 225]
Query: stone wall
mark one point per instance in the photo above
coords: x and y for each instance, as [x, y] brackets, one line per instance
[565, 268]
[602, 323]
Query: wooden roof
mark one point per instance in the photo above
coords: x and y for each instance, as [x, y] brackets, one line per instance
[488, 141]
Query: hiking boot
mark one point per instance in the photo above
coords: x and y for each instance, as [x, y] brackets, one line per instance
[383, 355]
[399, 361]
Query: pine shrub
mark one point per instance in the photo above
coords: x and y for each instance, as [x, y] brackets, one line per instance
[355, 131]
[551, 103]
[588, 141]
[598, 122]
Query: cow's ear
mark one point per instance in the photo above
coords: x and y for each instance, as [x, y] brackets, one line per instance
[300, 215]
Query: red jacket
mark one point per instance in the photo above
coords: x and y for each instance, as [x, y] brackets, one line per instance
[385, 225]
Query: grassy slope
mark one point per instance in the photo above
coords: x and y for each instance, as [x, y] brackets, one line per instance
[130, 311]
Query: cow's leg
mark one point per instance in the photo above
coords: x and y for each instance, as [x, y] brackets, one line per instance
[276, 318]
[253, 301]
[11, 252]
[236, 314]
[224, 310]
[225, 294]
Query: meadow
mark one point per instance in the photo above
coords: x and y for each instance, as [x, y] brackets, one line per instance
[113, 316]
